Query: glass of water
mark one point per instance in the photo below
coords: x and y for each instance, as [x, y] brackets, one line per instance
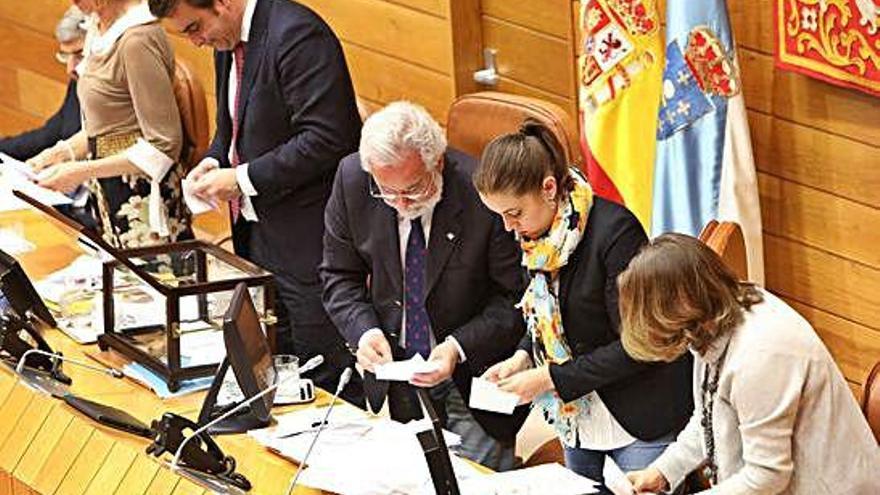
[286, 376]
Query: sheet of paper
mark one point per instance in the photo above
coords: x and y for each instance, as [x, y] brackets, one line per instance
[195, 204]
[403, 371]
[487, 396]
[18, 166]
[615, 479]
[154, 382]
[533, 480]
[13, 243]
[15, 175]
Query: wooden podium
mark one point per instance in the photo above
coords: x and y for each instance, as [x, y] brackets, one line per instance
[47, 447]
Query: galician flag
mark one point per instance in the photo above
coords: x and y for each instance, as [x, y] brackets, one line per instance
[704, 165]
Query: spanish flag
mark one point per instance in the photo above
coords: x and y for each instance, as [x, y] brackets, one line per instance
[621, 74]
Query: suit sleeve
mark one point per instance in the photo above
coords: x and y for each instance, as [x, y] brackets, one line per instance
[494, 333]
[343, 272]
[608, 363]
[317, 89]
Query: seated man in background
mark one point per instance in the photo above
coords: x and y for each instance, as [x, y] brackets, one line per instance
[415, 264]
[67, 121]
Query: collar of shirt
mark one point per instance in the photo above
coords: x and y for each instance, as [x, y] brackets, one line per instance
[717, 347]
[247, 19]
[137, 15]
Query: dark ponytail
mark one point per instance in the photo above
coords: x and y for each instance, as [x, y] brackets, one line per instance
[517, 163]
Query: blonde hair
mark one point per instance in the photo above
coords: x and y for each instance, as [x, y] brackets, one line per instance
[677, 293]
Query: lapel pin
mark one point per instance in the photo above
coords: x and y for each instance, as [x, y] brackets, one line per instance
[450, 236]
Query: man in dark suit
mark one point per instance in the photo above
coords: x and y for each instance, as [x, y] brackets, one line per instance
[415, 264]
[286, 115]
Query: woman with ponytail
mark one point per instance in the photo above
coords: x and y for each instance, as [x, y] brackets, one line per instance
[571, 364]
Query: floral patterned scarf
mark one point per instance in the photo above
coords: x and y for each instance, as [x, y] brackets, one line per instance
[544, 258]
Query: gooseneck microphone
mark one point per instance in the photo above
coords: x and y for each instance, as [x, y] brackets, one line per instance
[308, 366]
[115, 373]
[343, 381]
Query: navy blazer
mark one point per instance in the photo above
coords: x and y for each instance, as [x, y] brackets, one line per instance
[65, 123]
[297, 118]
[474, 277]
[648, 400]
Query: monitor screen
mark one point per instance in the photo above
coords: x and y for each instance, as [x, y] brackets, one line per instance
[18, 294]
[247, 350]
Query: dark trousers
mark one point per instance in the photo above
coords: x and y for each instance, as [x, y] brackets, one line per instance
[303, 327]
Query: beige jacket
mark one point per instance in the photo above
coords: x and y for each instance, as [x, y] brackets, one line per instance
[784, 419]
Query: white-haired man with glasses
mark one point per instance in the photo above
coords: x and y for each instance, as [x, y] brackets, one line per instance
[414, 263]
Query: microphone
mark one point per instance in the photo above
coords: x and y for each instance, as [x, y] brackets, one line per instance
[115, 373]
[308, 366]
[343, 381]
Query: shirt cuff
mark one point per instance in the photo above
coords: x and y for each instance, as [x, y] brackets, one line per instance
[671, 468]
[244, 181]
[369, 333]
[149, 159]
[461, 356]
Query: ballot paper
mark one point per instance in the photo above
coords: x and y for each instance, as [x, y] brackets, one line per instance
[487, 396]
[545, 479]
[615, 480]
[16, 175]
[403, 371]
[195, 204]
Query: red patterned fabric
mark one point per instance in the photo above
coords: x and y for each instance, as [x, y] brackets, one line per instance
[837, 41]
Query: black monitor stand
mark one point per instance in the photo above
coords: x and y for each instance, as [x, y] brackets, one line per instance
[436, 452]
[240, 422]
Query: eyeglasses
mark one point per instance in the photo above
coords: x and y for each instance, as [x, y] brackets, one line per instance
[64, 57]
[415, 192]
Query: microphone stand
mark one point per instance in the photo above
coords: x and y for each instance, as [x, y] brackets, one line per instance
[115, 373]
[343, 381]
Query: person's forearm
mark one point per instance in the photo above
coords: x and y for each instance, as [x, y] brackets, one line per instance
[111, 166]
[78, 145]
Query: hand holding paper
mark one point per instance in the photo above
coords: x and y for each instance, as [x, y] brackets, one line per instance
[403, 371]
[485, 395]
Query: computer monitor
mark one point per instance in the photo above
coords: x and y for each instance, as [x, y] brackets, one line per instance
[18, 295]
[249, 356]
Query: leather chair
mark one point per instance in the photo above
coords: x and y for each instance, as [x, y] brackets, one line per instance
[549, 452]
[871, 400]
[193, 108]
[477, 118]
[726, 239]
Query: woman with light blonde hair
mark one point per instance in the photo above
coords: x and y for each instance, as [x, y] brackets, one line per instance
[772, 414]
[128, 150]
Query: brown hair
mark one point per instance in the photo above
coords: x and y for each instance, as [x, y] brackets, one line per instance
[677, 293]
[517, 163]
[163, 8]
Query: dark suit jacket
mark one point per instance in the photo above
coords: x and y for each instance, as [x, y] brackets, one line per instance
[62, 125]
[648, 400]
[298, 118]
[474, 277]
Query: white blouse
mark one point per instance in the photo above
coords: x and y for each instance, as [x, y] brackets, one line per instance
[784, 419]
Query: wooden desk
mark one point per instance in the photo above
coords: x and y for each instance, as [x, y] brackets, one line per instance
[48, 447]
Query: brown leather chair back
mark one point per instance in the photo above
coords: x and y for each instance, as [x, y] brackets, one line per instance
[477, 118]
[193, 114]
[726, 239]
[871, 400]
[549, 452]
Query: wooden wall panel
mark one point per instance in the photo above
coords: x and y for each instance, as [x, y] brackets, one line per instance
[551, 17]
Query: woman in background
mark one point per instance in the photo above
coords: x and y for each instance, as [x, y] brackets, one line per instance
[571, 364]
[128, 151]
[773, 413]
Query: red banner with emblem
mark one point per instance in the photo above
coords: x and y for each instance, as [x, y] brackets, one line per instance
[834, 40]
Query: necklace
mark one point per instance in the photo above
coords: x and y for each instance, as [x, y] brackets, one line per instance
[709, 389]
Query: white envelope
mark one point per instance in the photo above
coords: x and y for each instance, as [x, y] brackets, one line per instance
[195, 204]
[487, 396]
[403, 371]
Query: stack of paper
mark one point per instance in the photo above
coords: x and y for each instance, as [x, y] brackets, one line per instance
[546, 479]
[154, 382]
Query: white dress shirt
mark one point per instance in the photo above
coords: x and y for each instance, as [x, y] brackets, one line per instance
[241, 171]
[784, 418]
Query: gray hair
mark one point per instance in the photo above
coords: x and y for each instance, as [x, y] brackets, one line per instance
[70, 27]
[401, 128]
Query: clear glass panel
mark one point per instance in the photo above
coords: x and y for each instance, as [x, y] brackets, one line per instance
[180, 268]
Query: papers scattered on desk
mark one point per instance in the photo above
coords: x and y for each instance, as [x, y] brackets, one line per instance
[487, 396]
[403, 371]
[16, 175]
[546, 479]
[357, 454]
[13, 243]
[154, 382]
